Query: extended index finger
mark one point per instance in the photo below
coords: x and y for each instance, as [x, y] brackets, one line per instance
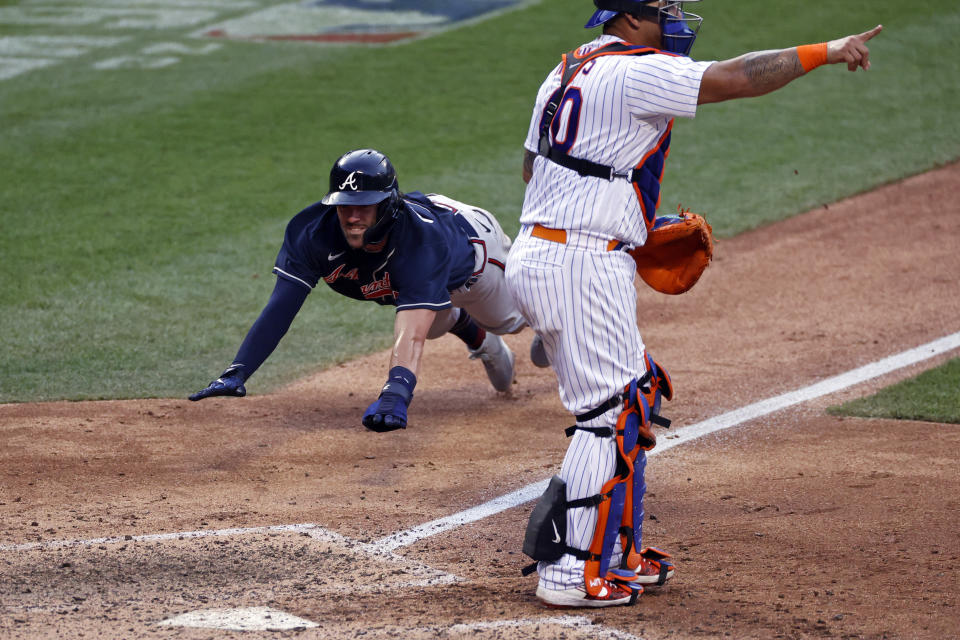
[866, 35]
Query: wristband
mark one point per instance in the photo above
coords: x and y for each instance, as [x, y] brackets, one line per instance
[400, 381]
[812, 55]
[235, 370]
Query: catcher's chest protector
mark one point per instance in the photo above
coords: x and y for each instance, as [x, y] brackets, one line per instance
[647, 176]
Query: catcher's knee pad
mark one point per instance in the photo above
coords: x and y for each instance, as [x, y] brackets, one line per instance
[644, 400]
[659, 386]
[546, 535]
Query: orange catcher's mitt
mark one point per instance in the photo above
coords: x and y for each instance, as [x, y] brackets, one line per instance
[677, 251]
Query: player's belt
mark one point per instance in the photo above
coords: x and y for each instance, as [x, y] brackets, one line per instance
[560, 236]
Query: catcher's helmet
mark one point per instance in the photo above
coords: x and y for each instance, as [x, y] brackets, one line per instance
[679, 27]
[362, 177]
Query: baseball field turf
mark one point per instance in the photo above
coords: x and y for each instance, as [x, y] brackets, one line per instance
[148, 174]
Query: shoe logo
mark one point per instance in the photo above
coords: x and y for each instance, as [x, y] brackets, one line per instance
[603, 592]
[334, 256]
[351, 182]
[555, 532]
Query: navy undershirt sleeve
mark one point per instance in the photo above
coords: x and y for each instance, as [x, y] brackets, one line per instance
[271, 326]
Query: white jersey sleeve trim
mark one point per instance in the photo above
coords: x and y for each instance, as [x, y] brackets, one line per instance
[290, 276]
[424, 305]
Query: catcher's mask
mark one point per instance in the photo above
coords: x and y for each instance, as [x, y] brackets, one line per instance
[364, 177]
[679, 28]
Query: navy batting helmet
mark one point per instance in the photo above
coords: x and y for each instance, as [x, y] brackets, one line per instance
[363, 177]
[679, 27]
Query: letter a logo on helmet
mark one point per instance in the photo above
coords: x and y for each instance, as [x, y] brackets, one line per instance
[350, 182]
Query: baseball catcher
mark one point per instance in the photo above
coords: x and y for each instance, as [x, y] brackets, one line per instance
[440, 262]
[594, 157]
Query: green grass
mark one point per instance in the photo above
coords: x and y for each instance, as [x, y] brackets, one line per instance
[140, 211]
[933, 396]
[830, 135]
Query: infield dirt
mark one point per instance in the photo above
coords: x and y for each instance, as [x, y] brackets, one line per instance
[797, 525]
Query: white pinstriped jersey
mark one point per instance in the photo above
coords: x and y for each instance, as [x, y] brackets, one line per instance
[621, 115]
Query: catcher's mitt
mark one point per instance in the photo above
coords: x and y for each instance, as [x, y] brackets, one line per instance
[677, 251]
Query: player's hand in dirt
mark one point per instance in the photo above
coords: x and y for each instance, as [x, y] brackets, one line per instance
[387, 413]
[230, 383]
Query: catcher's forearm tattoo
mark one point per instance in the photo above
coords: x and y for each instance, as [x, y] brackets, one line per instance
[769, 70]
[528, 157]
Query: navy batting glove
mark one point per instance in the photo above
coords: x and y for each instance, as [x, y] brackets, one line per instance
[389, 411]
[230, 383]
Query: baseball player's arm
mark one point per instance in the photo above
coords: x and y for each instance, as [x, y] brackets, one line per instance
[389, 410]
[528, 157]
[760, 72]
[410, 334]
[261, 340]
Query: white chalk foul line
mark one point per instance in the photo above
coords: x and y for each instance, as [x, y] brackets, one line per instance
[692, 432]
[485, 510]
[820, 389]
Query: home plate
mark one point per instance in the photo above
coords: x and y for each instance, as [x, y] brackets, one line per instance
[250, 619]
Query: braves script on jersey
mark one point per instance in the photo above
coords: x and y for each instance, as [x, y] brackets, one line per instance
[425, 257]
[575, 292]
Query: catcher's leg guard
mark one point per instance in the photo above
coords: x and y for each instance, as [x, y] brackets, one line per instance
[620, 501]
[659, 567]
[611, 514]
[631, 525]
[637, 418]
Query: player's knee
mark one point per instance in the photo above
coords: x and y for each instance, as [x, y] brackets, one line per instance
[443, 322]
